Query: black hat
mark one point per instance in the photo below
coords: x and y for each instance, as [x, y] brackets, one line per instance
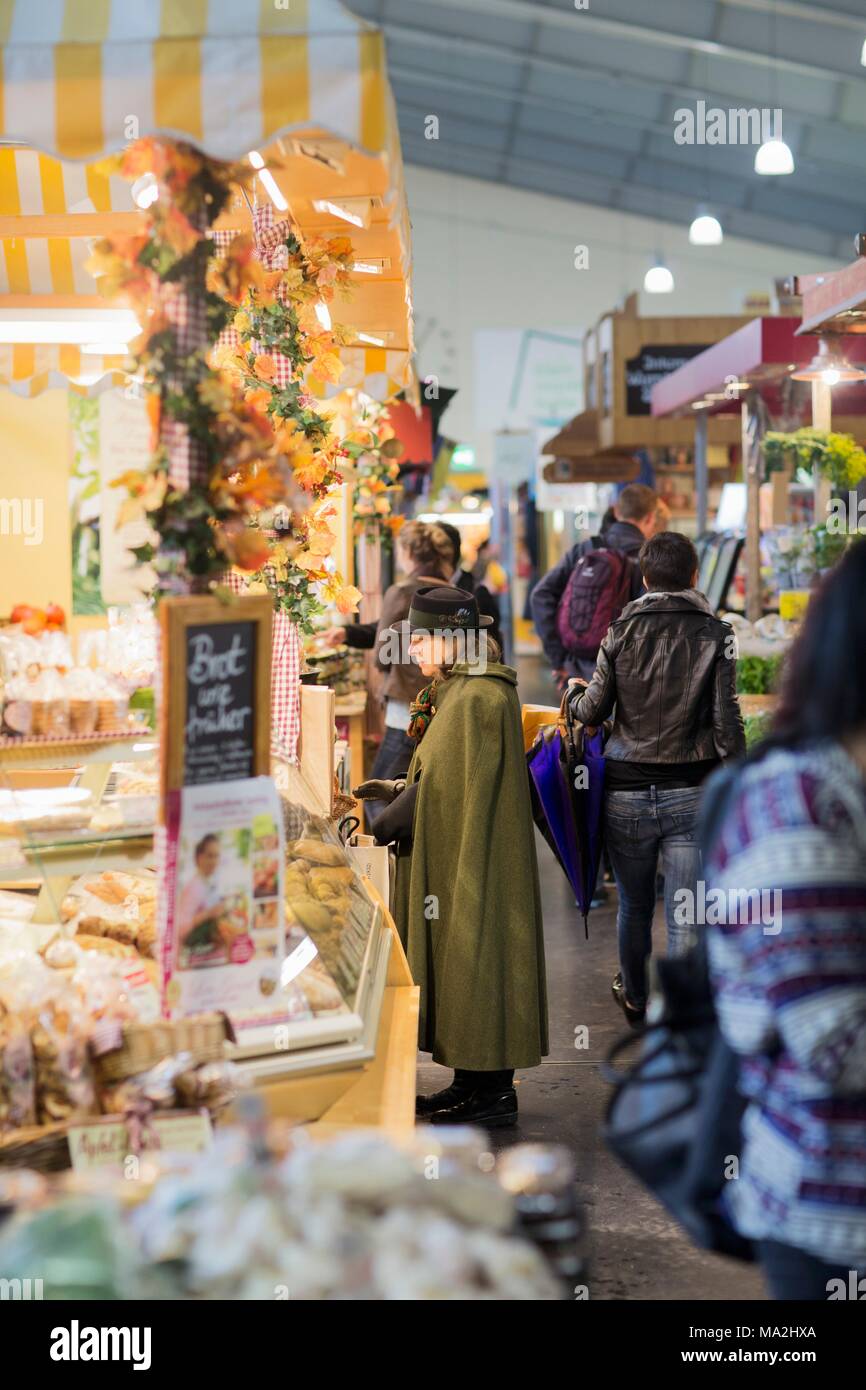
[438, 607]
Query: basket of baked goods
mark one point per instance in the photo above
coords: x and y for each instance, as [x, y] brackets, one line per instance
[81, 1036]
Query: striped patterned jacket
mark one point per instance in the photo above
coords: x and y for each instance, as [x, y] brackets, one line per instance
[791, 997]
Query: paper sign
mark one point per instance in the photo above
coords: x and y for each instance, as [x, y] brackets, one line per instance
[225, 931]
[105, 1143]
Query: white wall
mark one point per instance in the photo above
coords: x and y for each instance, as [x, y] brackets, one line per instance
[491, 257]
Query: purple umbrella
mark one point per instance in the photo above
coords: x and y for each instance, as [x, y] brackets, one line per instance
[567, 802]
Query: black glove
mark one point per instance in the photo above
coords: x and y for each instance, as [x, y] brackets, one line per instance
[396, 823]
[376, 790]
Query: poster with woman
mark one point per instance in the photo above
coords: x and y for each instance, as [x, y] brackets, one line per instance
[225, 941]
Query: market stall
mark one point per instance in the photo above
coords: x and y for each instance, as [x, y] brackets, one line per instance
[186, 856]
[752, 375]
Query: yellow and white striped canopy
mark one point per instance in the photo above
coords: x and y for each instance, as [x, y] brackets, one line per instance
[81, 78]
[30, 368]
[84, 77]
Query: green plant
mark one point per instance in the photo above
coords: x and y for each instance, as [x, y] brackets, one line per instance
[758, 675]
[829, 547]
[757, 726]
[837, 457]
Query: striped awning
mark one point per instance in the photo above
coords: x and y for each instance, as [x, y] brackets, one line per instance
[304, 82]
[84, 77]
[28, 369]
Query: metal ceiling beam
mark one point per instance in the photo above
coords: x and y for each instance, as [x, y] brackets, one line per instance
[619, 196]
[595, 115]
[530, 11]
[684, 91]
[797, 9]
[652, 175]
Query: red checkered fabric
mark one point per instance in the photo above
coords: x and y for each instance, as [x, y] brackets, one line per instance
[187, 458]
[285, 677]
[271, 250]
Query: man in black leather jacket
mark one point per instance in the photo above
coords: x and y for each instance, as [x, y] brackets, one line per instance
[666, 674]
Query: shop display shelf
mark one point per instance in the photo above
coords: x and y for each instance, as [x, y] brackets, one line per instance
[47, 857]
[27, 755]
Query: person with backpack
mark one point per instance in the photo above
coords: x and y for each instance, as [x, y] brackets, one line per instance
[666, 675]
[574, 605]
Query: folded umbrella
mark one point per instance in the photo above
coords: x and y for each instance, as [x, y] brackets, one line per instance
[566, 776]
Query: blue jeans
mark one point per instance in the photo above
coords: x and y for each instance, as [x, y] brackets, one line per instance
[639, 826]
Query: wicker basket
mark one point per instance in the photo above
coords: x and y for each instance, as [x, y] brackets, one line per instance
[43, 1148]
[145, 1044]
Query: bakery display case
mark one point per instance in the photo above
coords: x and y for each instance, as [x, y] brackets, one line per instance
[77, 865]
[334, 956]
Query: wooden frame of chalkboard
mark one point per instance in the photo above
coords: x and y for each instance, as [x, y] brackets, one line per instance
[223, 633]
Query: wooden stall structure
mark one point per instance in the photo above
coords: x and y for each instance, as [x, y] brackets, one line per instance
[300, 92]
[745, 377]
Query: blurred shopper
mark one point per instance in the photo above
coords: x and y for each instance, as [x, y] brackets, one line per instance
[462, 578]
[575, 603]
[467, 901]
[790, 978]
[666, 673]
[425, 556]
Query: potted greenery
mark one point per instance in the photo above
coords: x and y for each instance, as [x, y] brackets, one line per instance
[837, 457]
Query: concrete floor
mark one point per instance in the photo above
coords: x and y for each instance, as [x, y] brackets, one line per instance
[635, 1251]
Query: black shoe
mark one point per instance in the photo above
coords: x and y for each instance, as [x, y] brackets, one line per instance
[634, 1017]
[425, 1105]
[493, 1109]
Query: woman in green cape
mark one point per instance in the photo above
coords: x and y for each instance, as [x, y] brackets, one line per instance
[467, 901]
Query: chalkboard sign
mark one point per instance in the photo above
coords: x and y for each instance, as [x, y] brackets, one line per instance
[215, 719]
[652, 364]
[220, 690]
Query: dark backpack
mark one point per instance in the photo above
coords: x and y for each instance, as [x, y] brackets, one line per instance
[598, 589]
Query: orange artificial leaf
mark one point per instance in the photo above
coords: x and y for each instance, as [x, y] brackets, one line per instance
[348, 598]
[264, 367]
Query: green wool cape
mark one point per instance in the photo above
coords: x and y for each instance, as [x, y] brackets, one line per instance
[468, 906]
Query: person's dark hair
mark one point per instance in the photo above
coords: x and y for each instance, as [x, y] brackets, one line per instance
[635, 502]
[824, 677]
[454, 536]
[668, 562]
[607, 521]
[204, 842]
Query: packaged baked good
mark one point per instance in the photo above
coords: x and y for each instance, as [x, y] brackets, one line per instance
[213, 1084]
[17, 1080]
[155, 1088]
[82, 689]
[64, 1078]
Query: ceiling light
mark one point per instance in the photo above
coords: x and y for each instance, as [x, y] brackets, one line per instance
[829, 367]
[701, 405]
[658, 279]
[323, 314]
[706, 231]
[863, 54]
[354, 210]
[95, 326]
[269, 183]
[145, 190]
[774, 157]
[273, 191]
[471, 503]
